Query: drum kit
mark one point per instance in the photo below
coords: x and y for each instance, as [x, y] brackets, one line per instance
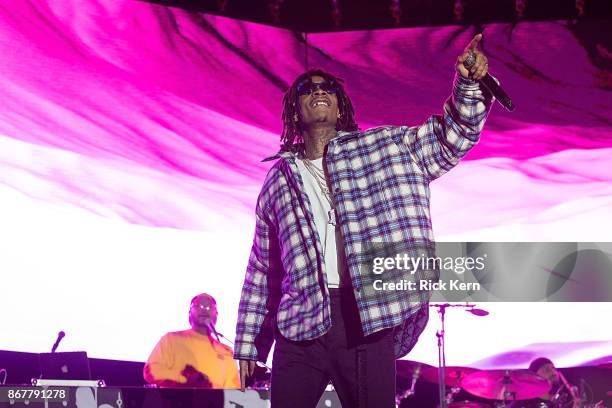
[499, 387]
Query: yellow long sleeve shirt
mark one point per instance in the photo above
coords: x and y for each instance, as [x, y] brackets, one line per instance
[175, 350]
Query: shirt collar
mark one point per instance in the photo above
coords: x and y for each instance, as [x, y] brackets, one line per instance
[296, 149]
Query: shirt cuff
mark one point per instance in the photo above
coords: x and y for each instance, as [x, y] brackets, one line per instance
[466, 84]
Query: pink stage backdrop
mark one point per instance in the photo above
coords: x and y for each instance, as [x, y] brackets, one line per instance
[131, 137]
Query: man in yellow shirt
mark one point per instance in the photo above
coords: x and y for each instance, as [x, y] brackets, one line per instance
[193, 357]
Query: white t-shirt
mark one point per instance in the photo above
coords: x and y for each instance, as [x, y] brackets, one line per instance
[320, 209]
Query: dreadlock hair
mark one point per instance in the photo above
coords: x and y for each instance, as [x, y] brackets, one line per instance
[292, 129]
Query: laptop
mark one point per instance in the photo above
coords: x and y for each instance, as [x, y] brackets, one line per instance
[72, 365]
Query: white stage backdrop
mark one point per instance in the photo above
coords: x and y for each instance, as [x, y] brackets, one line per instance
[130, 144]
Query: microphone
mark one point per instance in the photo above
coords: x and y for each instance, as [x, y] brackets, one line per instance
[212, 331]
[60, 336]
[491, 85]
[478, 312]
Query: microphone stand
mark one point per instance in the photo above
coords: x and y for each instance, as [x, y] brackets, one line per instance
[441, 357]
[444, 400]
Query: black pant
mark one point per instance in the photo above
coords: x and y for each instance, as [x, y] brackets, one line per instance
[362, 369]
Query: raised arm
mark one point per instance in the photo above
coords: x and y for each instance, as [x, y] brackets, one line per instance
[439, 143]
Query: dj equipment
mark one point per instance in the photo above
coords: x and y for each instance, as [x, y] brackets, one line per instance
[93, 396]
[65, 366]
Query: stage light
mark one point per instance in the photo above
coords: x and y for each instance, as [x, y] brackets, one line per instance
[274, 8]
[222, 4]
[458, 9]
[336, 13]
[580, 7]
[520, 6]
[396, 11]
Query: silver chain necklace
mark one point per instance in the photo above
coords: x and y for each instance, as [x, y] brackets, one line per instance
[319, 176]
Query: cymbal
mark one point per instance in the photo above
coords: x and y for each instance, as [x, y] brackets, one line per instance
[405, 369]
[515, 384]
[454, 375]
[468, 404]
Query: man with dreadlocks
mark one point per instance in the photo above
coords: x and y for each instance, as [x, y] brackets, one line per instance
[333, 191]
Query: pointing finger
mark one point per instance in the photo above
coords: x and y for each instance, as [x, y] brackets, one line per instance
[474, 43]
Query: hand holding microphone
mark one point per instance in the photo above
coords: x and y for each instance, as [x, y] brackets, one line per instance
[474, 64]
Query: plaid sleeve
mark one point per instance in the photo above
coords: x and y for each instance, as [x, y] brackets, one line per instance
[439, 143]
[260, 294]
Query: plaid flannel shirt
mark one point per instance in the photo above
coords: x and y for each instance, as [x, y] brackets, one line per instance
[379, 181]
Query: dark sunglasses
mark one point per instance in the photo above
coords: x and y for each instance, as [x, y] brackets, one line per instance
[307, 87]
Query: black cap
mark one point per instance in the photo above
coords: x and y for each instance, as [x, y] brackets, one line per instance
[538, 363]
